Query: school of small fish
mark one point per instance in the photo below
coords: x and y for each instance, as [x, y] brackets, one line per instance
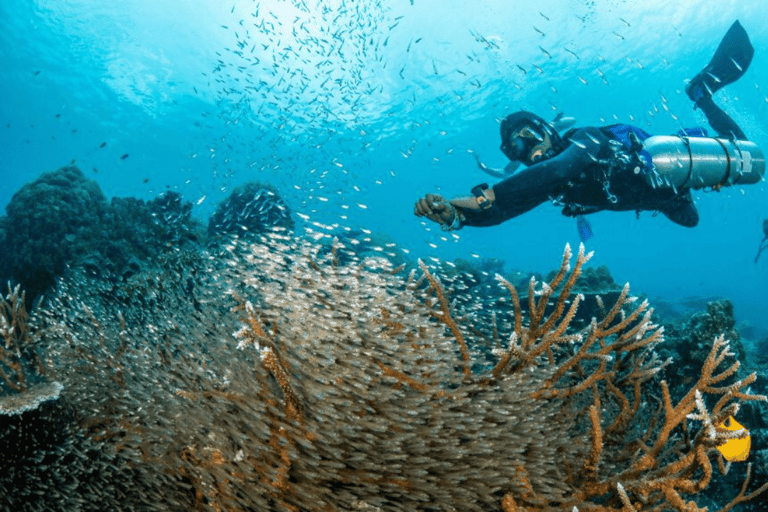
[303, 82]
[305, 93]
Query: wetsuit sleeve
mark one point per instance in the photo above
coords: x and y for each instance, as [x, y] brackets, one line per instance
[532, 186]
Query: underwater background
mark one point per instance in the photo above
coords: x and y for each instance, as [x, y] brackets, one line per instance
[328, 119]
[354, 110]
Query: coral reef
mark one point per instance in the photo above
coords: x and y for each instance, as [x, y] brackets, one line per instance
[275, 373]
[51, 222]
[253, 208]
[139, 231]
[689, 341]
[63, 219]
[688, 346]
[353, 388]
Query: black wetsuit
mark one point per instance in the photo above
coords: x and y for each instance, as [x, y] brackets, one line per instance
[585, 177]
[594, 172]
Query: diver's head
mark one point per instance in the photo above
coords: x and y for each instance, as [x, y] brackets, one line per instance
[527, 138]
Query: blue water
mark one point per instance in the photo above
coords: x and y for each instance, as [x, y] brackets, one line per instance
[354, 109]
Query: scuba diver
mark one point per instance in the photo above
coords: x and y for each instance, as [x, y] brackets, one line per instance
[617, 167]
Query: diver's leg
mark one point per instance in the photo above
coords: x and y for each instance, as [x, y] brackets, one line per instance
[682, 210]
[719, 120]
[729, 63]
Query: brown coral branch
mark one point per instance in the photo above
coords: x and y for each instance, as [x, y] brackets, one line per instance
[535, 340]
[17, 349]
[402, 377]
[565, 292]
[673, 478]
[518, 315]
[626, 412]
[445, 317]
[593, 459]
[742, 496]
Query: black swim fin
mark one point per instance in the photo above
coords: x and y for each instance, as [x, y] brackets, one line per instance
[731, 60]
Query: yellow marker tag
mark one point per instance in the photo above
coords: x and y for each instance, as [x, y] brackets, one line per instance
[735, 450]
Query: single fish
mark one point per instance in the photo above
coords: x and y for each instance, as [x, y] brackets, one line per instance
[737, 449]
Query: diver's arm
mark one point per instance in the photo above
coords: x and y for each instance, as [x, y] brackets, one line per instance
[514, 196]
[533, 185]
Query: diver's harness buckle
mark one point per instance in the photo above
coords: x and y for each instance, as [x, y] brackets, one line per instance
[623, 158]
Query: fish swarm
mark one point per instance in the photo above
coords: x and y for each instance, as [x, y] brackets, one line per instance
[273, 377]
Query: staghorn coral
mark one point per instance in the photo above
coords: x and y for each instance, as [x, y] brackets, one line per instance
[353, 389]
[689, 342]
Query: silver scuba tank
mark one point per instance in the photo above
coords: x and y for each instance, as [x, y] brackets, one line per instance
[699, 162]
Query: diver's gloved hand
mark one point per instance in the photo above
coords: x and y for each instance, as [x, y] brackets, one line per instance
[437, 209]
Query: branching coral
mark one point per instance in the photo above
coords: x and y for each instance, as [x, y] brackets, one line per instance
[613, 358]
[13, 328]
[22, 387]
[634, 459]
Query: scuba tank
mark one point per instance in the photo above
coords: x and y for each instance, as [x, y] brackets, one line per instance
[699, 162]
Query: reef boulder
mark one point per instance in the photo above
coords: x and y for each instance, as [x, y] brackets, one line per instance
[51, 223]
[252, 208]
[62, 219]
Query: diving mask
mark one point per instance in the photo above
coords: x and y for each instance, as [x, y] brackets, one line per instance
[521, 143]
